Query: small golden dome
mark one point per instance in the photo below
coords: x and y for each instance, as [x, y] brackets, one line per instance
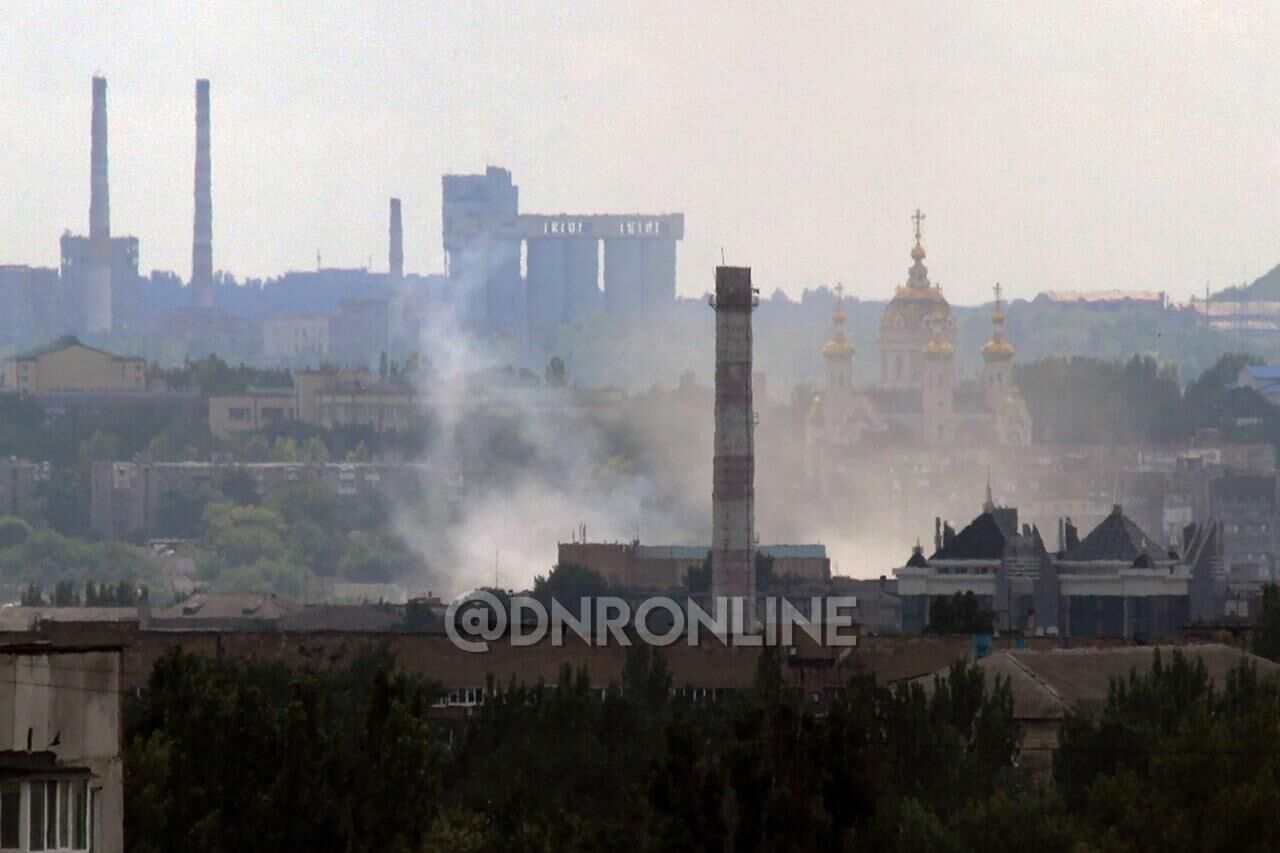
[997, 349]
[838, 346]
[939, 346]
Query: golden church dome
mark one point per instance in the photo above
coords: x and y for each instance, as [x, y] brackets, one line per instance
[997, 349]
[838, 346]
[918, 304]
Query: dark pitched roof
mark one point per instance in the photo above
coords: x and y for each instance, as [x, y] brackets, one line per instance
[982, 539]
[1117, 538]
[66, 342]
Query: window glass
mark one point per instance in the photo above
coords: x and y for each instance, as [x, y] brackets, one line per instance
[51, 813]
[36, 821]
[80, 833]
[64, 814]
[10, 814]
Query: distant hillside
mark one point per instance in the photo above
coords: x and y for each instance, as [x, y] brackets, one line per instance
[1265, 289]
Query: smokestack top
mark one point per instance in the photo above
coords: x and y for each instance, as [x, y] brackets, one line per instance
[733, 289]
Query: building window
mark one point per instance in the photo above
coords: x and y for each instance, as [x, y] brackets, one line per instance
[35, 821]
[10, 815]
[239, 414]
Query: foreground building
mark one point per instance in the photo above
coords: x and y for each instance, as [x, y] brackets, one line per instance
[61, 771]
[1115, 582]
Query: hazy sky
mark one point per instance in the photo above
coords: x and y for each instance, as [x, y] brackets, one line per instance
[1066, 145]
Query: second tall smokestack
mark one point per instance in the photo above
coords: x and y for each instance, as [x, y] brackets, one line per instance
[396, 264]
[202, 237]
[98, 283]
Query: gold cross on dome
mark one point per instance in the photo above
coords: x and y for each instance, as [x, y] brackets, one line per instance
[917, 218]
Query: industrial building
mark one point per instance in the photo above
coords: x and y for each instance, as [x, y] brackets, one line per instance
[665, 568]
[485, 236]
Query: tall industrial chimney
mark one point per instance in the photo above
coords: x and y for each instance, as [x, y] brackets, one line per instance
[396, 264]
[733, 470]
[202, 237]
[98, 284]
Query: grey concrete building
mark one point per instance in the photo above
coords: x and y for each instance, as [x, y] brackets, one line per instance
[61, 770]
[126, 497]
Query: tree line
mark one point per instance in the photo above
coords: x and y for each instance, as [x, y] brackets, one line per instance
[225, 755]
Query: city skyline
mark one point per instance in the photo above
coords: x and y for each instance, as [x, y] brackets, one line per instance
[1051, 151]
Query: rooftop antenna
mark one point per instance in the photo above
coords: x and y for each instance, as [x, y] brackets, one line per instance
[495, 570]
[722, 256]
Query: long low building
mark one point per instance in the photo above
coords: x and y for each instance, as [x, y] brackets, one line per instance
[1116, 582]
[631, 565]
[126, 497]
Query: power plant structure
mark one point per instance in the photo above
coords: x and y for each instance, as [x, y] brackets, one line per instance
[485, 236]
[202, 236]
[98, 280]
[733, 574]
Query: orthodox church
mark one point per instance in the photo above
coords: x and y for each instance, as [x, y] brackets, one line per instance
[918, 401]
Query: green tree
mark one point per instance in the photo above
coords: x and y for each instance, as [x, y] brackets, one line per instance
[959, 613]
[13, 531]
[1265, 638]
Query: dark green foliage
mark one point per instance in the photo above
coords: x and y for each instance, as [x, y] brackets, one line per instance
[1083, 400]
[13, 531]
[1173, 763]
[568, 584]
[212, 375]
[239, 486]
[959, 613]
[226, 756]
[698, 578]
[1265, 639]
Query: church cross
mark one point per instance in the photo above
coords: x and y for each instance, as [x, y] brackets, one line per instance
[918, 217]
[999, 291]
